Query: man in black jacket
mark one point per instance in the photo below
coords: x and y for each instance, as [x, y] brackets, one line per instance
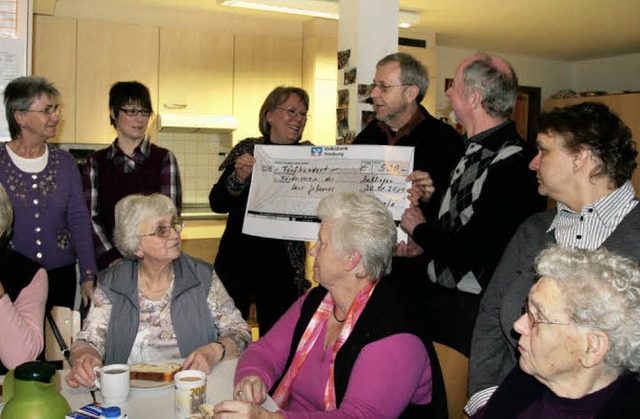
[490, 193]
[399, 85]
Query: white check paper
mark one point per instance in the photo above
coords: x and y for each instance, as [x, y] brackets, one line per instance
[288, 182]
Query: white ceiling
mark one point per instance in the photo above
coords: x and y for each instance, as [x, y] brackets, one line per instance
[561, 29]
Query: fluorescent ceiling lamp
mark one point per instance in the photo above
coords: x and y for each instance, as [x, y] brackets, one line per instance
[328, 9]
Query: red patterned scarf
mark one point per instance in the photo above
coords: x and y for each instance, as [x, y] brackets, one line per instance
[309, 337]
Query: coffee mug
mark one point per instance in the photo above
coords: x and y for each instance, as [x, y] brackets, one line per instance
[114, 383]
[190, 393]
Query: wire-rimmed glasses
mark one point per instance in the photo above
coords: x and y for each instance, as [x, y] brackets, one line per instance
[384, 88]
[293, 112]
[165, 231]
[48, 111]
[533, 321]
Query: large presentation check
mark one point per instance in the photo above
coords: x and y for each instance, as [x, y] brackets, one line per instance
[288, 182]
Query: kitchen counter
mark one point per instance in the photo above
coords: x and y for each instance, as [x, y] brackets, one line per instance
[200, 212]
[201, 238]
[203, 229]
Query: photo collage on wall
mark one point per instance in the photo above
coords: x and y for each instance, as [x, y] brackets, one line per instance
[347, 76]
[343, 134]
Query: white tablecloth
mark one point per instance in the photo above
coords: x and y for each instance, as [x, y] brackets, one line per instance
[158, 403]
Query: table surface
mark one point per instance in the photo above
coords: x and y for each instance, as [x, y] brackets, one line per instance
[158, 403]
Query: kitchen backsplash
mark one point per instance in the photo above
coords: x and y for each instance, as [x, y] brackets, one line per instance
[199, 156]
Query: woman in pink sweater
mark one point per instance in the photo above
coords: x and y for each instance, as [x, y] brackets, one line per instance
[348, 348]
[23, 294]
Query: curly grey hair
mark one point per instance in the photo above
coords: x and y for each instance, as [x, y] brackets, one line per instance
[6, 213]
[604, 290]
[361, 222]
[130, 212]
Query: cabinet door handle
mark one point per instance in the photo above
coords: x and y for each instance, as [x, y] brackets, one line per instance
[175, 105]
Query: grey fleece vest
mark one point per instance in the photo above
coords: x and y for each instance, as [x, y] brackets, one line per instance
[190, 314]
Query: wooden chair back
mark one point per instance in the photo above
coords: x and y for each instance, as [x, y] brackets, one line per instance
[455, 372]
[68, 322]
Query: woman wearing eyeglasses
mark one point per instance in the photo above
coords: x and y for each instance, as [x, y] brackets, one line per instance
[274, 274]
[586, 157]
[51, 225]
[131, 164]
[579, 341]
[157, 304]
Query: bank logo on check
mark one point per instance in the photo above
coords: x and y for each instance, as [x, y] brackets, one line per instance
[316, 151]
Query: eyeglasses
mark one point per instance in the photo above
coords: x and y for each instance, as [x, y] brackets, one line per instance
[165, 231]
[383, 87]
[134, 112]
[533, 321]
[48, 111]
[293, 112]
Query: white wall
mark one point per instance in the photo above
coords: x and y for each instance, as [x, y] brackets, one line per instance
[549, 75]
[615, 74]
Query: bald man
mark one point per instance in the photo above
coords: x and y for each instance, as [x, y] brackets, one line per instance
[491, 191]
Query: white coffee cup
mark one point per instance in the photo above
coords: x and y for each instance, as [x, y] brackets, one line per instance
[190, 393]
[114, 383]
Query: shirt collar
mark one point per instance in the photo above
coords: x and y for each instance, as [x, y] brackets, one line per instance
[604, 208]
[485, 134]
[143, 149]
[393, 137]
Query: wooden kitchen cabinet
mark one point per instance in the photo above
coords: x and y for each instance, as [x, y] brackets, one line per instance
[627, 106]
[54, 58]
[261, 63]
[196, 71]
[109, 52]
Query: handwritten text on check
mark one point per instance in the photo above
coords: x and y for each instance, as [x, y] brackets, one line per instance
[288, 182]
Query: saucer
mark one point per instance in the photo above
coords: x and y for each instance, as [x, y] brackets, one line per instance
[146, 385]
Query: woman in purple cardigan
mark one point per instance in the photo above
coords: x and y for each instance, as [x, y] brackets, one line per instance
[52, 225]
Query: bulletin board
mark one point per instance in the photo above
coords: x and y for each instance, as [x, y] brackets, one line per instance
[15, 47]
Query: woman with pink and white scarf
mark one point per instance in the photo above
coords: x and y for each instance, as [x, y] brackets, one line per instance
[347, 348]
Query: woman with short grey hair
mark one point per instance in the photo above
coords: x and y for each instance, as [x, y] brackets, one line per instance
[605, 295]
[52, 225]
[349, 347]
[360, 222]
[579, 340]
[157, 304]
[133, 211]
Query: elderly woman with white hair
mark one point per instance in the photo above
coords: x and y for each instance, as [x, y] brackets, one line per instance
[348, 348]
[23, 294]
[158, 304]
[579, 341]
